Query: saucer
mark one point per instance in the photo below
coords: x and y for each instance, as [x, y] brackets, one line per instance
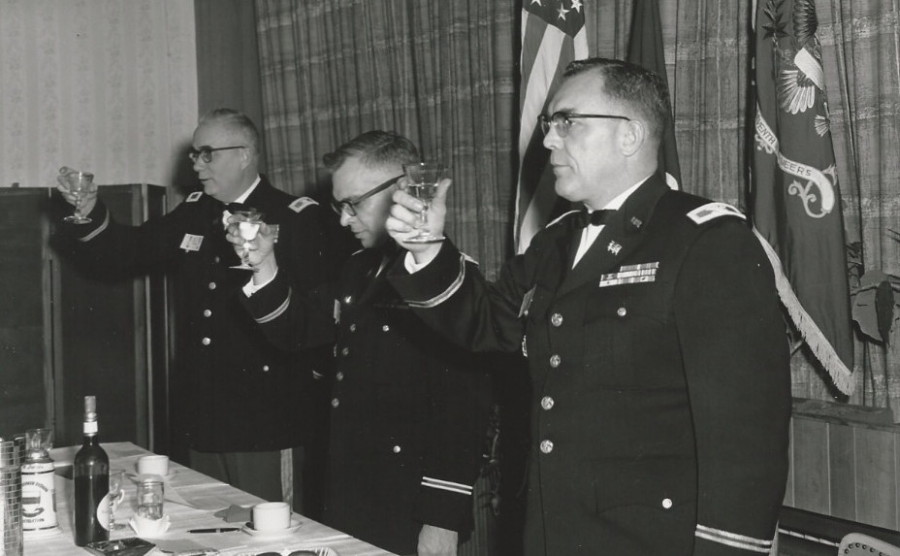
[248, 528]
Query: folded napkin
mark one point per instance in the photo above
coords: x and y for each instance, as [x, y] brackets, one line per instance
[146, 527]
[235, 513]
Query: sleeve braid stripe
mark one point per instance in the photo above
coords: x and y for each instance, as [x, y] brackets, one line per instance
[446, 294]
[447, 485]
[733, 540]
[278, 311]
[97, 231]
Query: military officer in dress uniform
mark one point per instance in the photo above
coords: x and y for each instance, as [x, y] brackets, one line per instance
[237, 400]
[408, 408]
[654, 339]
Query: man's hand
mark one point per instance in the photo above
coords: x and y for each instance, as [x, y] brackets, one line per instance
[405, 218]
[261, 249]
[83, 202]
[434, 541]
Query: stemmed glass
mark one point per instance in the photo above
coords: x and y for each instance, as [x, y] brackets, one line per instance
[422, 183]
[248, 222]
[77, 183]
[116, 495]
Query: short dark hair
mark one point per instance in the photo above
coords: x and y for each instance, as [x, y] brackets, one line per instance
[238, 122]
[637, 87]
[376, 147]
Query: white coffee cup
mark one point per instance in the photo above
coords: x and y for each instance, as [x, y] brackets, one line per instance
[271, 516]
[153, 465]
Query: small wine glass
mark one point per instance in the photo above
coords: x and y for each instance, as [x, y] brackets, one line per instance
[116, 496]
[422, 183]
[248, 222]
[77, 183]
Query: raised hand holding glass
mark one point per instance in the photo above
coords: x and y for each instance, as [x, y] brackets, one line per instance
[77, 183]
[422, 183]
[248, 223]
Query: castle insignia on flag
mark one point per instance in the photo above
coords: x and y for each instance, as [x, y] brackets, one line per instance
[710, 211]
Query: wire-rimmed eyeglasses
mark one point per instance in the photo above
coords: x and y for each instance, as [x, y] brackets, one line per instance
[562, 120]
[349, 205]
[205, 153]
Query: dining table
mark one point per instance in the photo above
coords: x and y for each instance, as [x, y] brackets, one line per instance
[192, 501]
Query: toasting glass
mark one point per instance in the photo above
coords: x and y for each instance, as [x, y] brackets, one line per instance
[422, 183]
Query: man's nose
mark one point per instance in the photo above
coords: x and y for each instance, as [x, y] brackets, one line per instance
[345, 218]
[552, 139]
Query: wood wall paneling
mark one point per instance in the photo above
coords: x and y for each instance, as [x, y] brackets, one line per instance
[846, 469]
[875, 479]
[810, 450]
[842, 471]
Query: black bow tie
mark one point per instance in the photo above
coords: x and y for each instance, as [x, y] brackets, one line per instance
[596, 218]
[234, 207]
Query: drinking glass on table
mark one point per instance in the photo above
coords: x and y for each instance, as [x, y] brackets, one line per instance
[248, 222]
[422, 182]
[150, 499]
[116, 495]
[77, 183]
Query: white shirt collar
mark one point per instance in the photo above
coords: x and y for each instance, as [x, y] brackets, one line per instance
[243, 196]
[620, 199]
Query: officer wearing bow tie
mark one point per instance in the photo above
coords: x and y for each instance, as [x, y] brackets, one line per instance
[237, 401]
[654, 338]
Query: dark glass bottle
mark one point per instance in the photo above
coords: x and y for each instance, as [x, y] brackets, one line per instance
[91, 473]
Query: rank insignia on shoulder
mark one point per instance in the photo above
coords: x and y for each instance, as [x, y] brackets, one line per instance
[301, 203]
[194, 197]
[711, 211]
[630, 274]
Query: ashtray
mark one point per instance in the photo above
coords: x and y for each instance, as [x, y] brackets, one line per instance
[121, 547]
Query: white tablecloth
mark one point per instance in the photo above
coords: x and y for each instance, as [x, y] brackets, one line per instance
[204, 497]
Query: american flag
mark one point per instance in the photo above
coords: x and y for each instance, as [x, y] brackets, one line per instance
[553, 34]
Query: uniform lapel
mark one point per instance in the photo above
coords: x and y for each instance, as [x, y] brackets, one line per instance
[621, 236]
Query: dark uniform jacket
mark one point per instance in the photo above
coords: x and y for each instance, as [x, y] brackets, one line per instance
[408, 410]
[660, 373]
[232, 390]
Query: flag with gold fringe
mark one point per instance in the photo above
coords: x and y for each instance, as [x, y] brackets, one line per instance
[795, 199]
[553, 34]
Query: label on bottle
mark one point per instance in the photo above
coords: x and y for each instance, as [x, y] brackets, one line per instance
[90, 428]
[38, 497]
[103, 512]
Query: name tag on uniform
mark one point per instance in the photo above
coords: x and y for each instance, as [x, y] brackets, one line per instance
[190, 242]
[336, 312]
[630, 274]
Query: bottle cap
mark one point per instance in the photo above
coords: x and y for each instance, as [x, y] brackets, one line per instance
[90, 408]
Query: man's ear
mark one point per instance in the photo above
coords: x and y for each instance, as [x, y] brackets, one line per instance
[246, 158]
[632, 136]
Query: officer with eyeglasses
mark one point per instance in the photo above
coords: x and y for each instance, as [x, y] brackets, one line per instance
[408, 408]
[653, 333]
[238, 402]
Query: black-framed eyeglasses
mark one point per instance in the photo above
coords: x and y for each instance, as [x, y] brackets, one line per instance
[349, 205]
[562, 121]
[205, 153]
